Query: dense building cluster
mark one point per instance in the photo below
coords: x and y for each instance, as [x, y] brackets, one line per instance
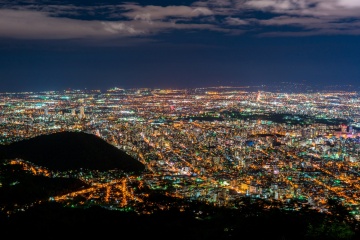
[207, 144]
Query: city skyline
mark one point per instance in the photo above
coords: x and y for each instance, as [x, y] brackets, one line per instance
[57, 45]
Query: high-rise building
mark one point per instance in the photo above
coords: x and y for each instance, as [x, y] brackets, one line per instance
[82, 112]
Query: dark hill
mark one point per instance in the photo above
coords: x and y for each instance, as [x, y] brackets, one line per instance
[20, 187]
[70, 151]
[198, 222]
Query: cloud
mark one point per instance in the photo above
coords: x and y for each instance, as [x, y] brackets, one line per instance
[310, 16]
[150, 13]
[334, 8]
[41, 21]
[306, 22]
[349, 3]
[235, 21]
[40, 25]
[263, 4]
[218, 7]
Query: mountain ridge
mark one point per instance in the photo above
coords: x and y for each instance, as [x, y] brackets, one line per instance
[68, 150]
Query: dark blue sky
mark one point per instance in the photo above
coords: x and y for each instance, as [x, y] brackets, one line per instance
[55, 45]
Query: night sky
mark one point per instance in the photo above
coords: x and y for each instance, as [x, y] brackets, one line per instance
[56, 45]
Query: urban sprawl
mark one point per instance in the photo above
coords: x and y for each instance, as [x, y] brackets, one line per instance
[214, 145]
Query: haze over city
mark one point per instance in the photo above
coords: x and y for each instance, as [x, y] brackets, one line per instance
[57, 45]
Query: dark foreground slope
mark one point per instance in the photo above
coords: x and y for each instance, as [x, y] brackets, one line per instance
[21, 188]
[196, 222]
[71, 151]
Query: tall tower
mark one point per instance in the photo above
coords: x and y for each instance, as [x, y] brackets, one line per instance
[258, 97]
[46, 111]
[82, 112]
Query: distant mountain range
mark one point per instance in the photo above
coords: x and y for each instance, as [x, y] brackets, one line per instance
[71, 151]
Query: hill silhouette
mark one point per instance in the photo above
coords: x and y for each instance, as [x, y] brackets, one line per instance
[72, 151]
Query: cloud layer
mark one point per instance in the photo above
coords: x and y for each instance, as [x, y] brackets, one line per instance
[268, 17]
